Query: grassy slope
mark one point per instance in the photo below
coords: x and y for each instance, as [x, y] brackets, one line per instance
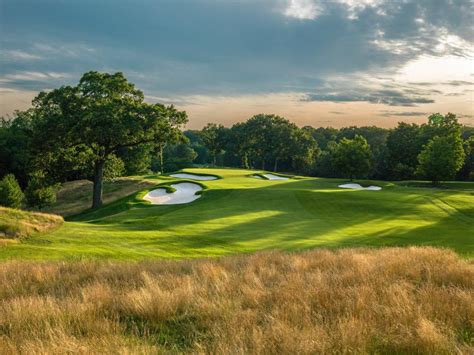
[16, 224]
[384, 301]
[76, 196]
[242, 214]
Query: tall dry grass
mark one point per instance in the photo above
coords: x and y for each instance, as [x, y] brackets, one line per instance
[16, 224]
[414, 300]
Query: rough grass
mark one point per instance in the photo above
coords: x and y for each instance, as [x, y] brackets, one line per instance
[74, 197]
[391, 300]
[16, 224]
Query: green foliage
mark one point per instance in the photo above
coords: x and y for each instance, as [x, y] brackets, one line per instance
[114, 167]
[137, 160]
[324, 165]
[214, 137]
[352, 157]
[38, 193]
[175, 157]
[10, 192]
[404, 143]
[441, 158]
[104, 113]
[16, 148]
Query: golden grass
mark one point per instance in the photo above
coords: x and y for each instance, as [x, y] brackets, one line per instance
[74, 197]
[15, 224]
[394, 300]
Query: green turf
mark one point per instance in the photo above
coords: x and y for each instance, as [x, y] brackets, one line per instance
[239, 213]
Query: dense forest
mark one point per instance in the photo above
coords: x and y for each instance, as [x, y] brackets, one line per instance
[102, 129]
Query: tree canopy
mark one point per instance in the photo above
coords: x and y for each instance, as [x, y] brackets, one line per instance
[352, 157]
[95, 119]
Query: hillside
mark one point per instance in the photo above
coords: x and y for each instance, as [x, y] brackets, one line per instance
[411, 300]
[241, 213]
[17, 224]
[76, 196]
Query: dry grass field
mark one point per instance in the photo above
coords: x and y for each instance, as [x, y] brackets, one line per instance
[17, 224]
[392, 300]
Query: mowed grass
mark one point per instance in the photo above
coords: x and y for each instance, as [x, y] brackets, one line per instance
[351, 301]
[239, 213]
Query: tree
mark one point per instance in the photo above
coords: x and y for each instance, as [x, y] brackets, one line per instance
[175, 157]
[352, 157]
[467, 170]
[104, 114]
[324, 165]
[15, 146]
[304, 150]
[214, 138]
[441, 158]
[10, 192]
[38, 192]
[403, 146]
[240, 144]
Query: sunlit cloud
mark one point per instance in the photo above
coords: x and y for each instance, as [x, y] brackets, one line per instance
[303, 9]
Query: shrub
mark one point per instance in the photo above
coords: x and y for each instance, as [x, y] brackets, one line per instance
[38, 193]
[10, 192]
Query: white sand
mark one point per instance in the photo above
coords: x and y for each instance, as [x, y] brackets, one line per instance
[274, 177]
[193, 176]
[185, 193]
[257, 177]
[359, 187]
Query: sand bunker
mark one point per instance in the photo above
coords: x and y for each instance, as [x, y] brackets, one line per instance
[194, 177]
[359, 187]
[185, 193]
[274, 177]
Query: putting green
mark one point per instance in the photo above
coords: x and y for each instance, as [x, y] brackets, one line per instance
[239, 213]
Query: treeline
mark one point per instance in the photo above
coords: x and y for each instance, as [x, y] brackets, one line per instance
[439, 150]
[102, 128]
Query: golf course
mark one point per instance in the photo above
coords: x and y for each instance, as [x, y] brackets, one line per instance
[239, 213]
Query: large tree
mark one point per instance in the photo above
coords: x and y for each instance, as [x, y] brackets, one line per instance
[352, 157]
[102, 115]
[441, 158]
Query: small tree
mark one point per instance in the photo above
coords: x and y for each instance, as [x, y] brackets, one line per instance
[38, 193]
[10, 192]
[441, 158]
[352, 157]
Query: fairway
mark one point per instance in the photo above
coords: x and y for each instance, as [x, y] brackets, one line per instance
[239, 213]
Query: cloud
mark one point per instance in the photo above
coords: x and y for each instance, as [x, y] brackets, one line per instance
[31, 80]
[387, 97]
[19, 55]
[459, 83]
[387, 113]
[175, 49]
[303, 9]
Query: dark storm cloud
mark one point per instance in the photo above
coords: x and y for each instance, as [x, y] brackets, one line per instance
[178, 47]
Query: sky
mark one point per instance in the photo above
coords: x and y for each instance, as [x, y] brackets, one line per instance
[316, 62]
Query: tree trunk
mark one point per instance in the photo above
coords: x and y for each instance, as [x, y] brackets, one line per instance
[98, 179]
[245, 161]
[161, 158]
[263, 164]
[214, 159]
[275, 167]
